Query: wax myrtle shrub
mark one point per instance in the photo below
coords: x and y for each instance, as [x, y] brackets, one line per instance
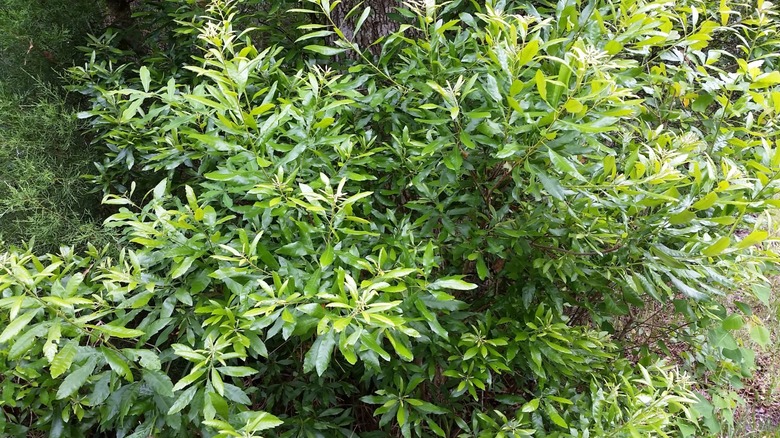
[459, 236]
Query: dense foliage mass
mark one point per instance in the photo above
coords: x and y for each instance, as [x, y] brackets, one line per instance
[456, 233]
[42, 151]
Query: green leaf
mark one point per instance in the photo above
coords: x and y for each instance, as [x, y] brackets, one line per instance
[319, 354]
[428, 408]
[183, 400]
[216, 382]
[574, 106]
[763, 292]
[452, 283]
[528, 52]
[179, 269]
[117, 363]
[563, 165]
[262, 421]
[702, 102]
[73, 284]
[116, 331]
[146, 358]
[159, 382]
[145, 78]
[531, 405]
[50, 347]
[327, 257]
[683, 217]
[556, 418]
[753, 238]
[17, 325]
[316, 34]
[482, 269]
[684, 288]
[399, 347]
[361, 20]
[324, 50]
[706, 202]
[368, 340]
[760, 335]
[722, 339]
[354, 198]
[63, 359]
[541, 84]
[552, 186]
[236, 394]
[718, 247]
[76, 380]
[237, 371]
[189, 379]
[491, 86]
[766, 80]
[613, 47]
[23, 343]
[733, 322]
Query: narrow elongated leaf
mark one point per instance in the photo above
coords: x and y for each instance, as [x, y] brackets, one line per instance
[399, 347]
[183, 400]
[753, 238]
[63, 359]
[531, 405]
[76, 380]
[324, 50]
[50, 347]
[262, 421]
[452, 283]
[216, 382]
[361, 20]
[237, 371]
[541, 84]
[17, 325]
[318, 356]
[718, 247]
[159, 382]
[327, 257]
[316, 34]
[145, 78]
[117, 332]
[23, 343]
[189, 379]
[117, 363]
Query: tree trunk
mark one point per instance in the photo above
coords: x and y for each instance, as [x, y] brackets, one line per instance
[119, 13]
[377, 25]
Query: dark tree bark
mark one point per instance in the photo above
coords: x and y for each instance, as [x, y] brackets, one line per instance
[377, 25]
[119, 13]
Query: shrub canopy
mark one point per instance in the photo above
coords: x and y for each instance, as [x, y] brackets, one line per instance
[463, 235]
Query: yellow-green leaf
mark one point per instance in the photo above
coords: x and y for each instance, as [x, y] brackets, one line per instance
[753, 238]
[718, 247]
[541, 84]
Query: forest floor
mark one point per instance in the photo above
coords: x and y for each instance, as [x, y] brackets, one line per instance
[760, 415]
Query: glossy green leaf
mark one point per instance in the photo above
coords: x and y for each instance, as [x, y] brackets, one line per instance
[318, 356]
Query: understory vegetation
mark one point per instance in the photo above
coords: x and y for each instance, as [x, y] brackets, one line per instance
[43, 152]
[503, 219]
